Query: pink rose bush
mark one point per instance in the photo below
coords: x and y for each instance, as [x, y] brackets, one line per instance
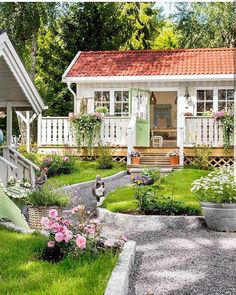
[84, 234]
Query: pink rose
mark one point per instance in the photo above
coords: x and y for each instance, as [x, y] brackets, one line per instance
[67, 222]
[81, 242]
[51, 244]
[65, 159]
[59, 237]
[68, 236]
[56, 227]
[53, 213]
[90, 230]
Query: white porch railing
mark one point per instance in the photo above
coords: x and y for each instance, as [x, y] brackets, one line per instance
[131, 137]
[56, 131]
[203, 130]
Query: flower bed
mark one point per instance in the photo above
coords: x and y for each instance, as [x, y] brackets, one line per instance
[28, 275]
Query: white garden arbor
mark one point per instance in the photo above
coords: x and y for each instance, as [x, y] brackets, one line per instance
[17, 93]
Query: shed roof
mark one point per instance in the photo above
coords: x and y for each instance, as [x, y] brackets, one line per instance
[207, 61]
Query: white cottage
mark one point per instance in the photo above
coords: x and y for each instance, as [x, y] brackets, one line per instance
[157, 99]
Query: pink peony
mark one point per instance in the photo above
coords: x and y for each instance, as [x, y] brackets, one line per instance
[56, 227]
[51, 244]
[45, 222]
[68, 236]
[59, 237]
[81, 242]
[53, 213]
[123, 238]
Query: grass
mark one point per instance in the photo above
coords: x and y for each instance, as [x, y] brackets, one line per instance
[85, 171]
[22, 273]
[122, 199]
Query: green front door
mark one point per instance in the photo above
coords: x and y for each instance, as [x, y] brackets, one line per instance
[140, 107]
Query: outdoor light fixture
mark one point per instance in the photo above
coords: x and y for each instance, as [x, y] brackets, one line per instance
[187, 95]
[153, 99]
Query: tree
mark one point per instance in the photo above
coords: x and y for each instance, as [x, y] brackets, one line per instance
[206, 24]
[142, 23]
[167, 38]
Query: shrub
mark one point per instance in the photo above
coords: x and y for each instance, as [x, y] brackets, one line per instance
[150, 202]
[103, 110]
[48, 196]
[104, 160]
[57, 165]
[152, 173]
[203, 153]
[217, 187]
[66, 236]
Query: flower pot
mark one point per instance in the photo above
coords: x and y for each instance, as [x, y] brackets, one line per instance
[136, 160]
[220, 217]
[37, 212]
[174, 160]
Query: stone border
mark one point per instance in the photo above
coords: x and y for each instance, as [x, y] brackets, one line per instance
[152, 222]
[90, 182]
[118, 283]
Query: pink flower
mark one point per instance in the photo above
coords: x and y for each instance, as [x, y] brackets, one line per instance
[74, 210]
[59, 237]
[91, 230]
[45, 222]
[53, 213]
[51, 244]
[123, 238]
[68, 236]
[56, 227]
[67, 222]
[65, 159]
[81, 242]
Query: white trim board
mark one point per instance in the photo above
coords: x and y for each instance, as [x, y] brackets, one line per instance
[15, 64]
[180, 78]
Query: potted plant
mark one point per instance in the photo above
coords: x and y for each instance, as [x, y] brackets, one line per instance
[174, 157]
[217, 195]
[135, 157]
[41, 201]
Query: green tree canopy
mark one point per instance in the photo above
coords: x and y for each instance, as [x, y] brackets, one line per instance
[206, 24]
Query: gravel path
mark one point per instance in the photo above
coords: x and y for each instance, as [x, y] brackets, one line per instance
[83, 195]
[182, 261]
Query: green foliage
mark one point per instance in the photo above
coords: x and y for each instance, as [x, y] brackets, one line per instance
[48, 196]
[228, 129]
[205, 24]
[103, 110]
[202, 156]
[88, 274]
[152, 173]
[167, 38]
[141, 23]
[152, 202]
[87, 128]
[57, 165]
[105, 159]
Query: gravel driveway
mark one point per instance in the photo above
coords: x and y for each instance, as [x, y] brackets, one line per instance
[183, 261]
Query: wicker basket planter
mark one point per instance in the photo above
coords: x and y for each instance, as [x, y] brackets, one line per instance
[36, 213]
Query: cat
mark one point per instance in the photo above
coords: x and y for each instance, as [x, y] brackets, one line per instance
[99, 189]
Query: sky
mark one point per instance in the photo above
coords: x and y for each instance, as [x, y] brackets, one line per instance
[168, 7]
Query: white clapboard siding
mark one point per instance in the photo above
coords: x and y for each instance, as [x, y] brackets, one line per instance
[58, 131]
[203, 130]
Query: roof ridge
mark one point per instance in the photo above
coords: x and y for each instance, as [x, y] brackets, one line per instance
[158, 50]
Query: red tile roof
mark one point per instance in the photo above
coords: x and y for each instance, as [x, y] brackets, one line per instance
[154, 62]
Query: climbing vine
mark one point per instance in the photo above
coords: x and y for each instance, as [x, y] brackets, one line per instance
[227, 121]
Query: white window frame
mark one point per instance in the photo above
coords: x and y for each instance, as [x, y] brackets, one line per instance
[215, 95]
[121, 102]
[225, 88]
[204, 89]
[112, 98]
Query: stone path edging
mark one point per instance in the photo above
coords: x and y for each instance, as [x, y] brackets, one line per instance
[118, 283]
[90, 182]
[150, 222]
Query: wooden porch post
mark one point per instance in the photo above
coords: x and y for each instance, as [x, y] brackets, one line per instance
[9, 123]
[28, 131]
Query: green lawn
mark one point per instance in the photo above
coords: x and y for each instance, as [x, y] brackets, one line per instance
[22, 273]
[85, 171]
[122, 200]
